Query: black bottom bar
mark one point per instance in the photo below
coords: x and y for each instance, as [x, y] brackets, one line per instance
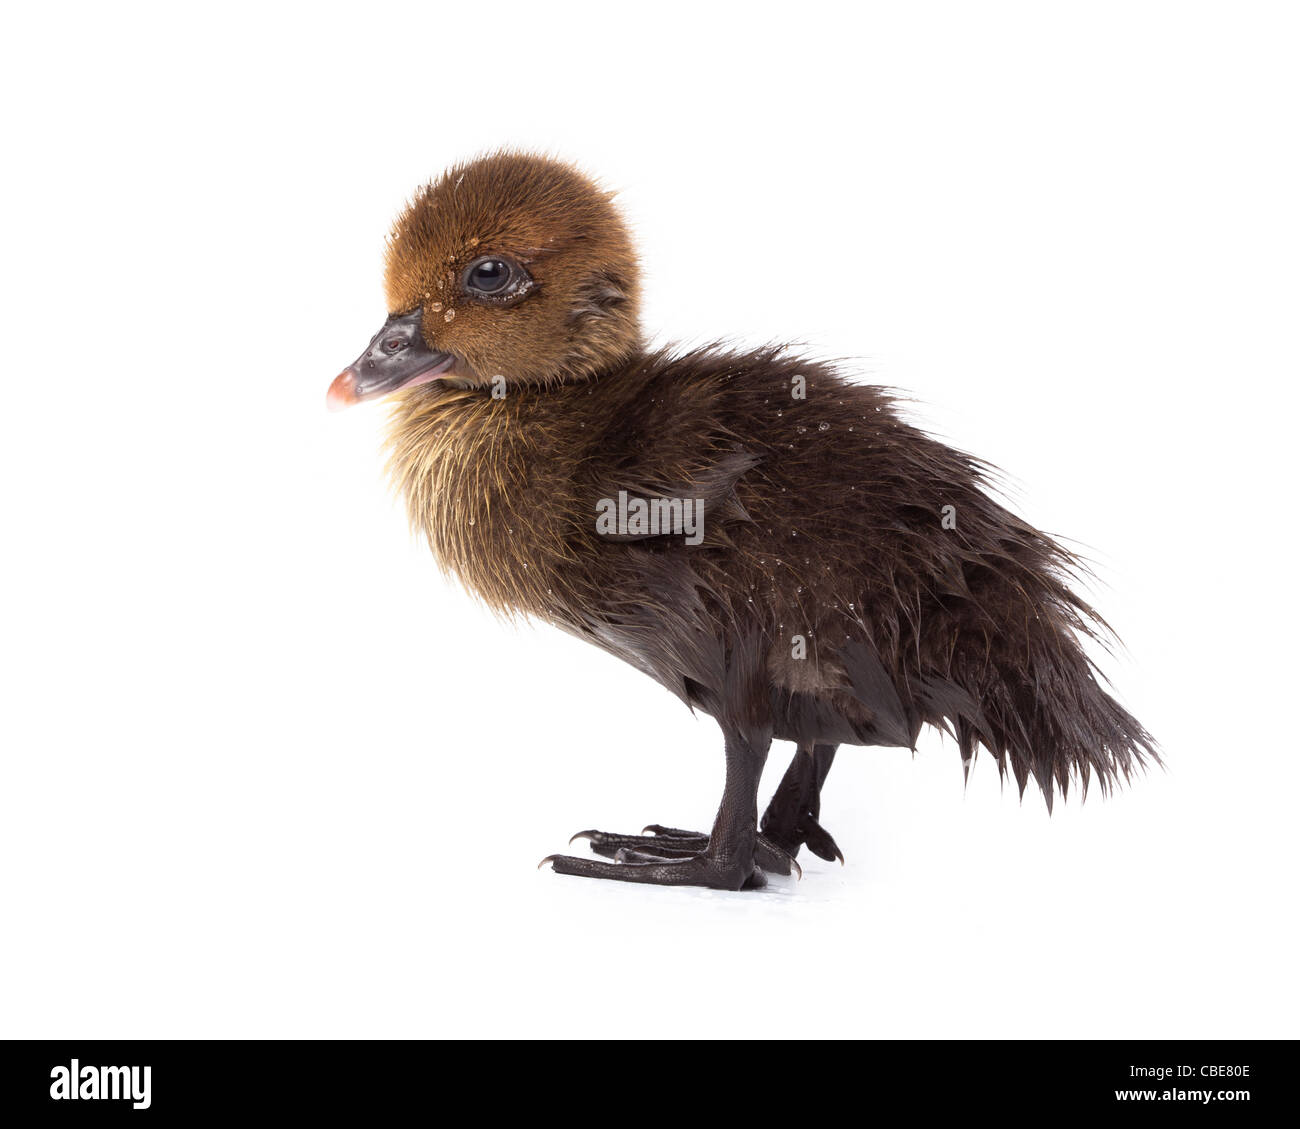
[617, 1081]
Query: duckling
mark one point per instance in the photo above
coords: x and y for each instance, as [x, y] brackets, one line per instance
[767, 539]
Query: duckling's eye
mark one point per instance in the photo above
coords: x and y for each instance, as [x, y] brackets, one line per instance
[394, 345]
[488, 275]
[492, 278]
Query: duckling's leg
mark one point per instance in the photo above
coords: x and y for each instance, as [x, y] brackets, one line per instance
[726, 860]
[791, 818]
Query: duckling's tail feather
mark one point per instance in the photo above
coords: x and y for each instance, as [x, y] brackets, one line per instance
[1051, 719]
[1017, 680]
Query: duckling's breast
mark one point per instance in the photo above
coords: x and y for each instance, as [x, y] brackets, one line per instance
[492, 489]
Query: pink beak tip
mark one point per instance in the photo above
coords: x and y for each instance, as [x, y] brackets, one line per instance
[342, 392]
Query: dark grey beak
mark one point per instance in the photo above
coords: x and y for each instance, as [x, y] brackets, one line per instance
[396, 358]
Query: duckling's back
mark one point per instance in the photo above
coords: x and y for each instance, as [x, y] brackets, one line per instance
[853, 581]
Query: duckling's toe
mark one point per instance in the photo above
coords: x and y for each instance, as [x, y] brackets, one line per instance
[661, 832]
[807, 833]
[695, 870]
[819, 841]
[674, 843]
[683, 844]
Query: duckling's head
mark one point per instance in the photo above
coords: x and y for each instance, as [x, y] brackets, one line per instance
[513, 268]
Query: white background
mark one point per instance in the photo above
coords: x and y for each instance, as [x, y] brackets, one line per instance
[265, 773]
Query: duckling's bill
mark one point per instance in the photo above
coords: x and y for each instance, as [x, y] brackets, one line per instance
[397, 357]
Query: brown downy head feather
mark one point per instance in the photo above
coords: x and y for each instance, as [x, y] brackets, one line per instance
[577, 312]
[828, 601]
